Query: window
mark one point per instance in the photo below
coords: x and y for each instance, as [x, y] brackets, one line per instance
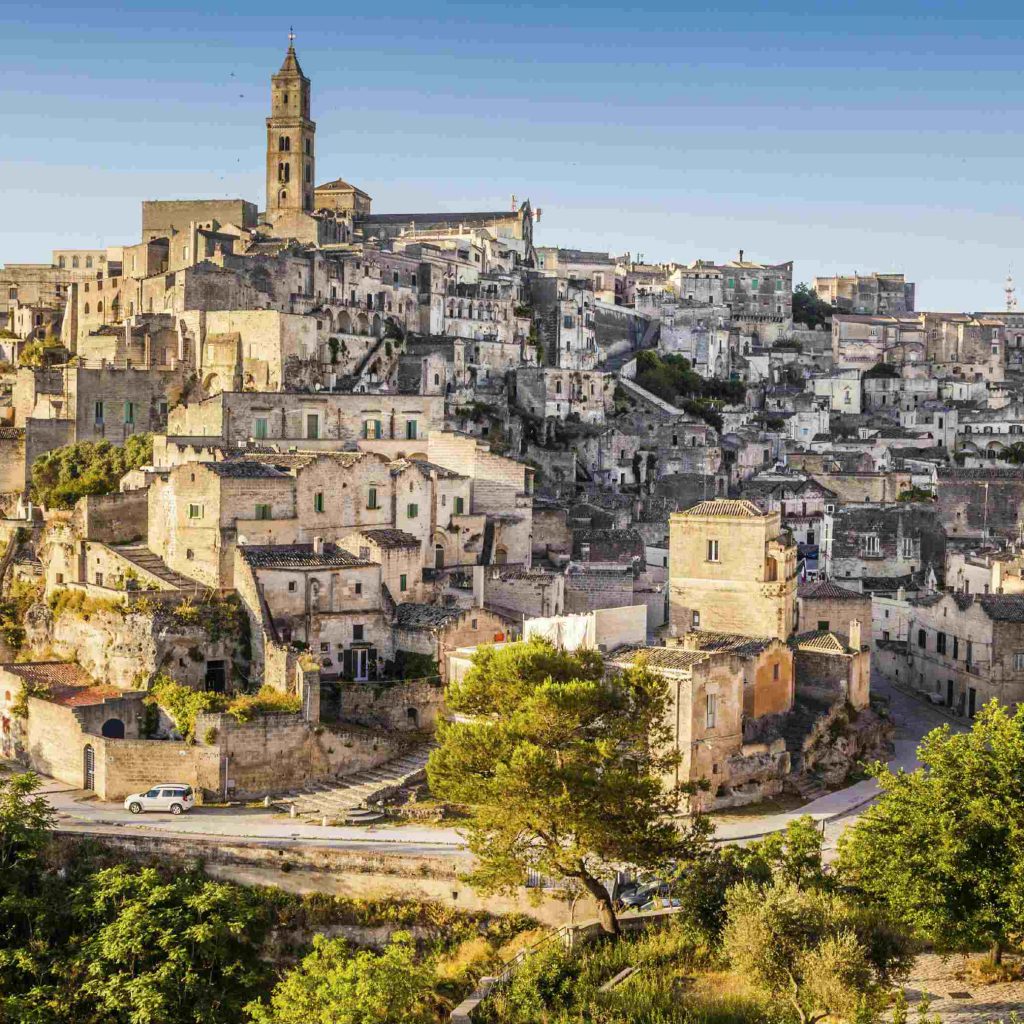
[712, 550]
[373, 430]
[357, 632]
[312, 426]
[459, 506]
[730, 282]
[940, 643]
[371, 498]
[259, 428]
[190, 554]
[922, 639]
[823, 625]
[364, 552]
[292, 586]
[403, 583]
[412, 510]
[195, 511]
[870, 545]
[775, 671]
[695, 619]
[908, 547]
[711, 710]
[558, 384]
[318, 501]
[1018, 661]
[956, 648]
[410, 430]
[567, 321]
[99, 579]
[129, 412]
[262, 511]
[99, 413]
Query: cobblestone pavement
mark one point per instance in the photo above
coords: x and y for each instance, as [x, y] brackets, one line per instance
[955, 997]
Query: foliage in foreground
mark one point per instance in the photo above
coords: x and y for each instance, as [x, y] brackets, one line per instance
[943, 847]
[61, 476]
[184, 704]
[816, 950]
[562, 765]
[85, 940]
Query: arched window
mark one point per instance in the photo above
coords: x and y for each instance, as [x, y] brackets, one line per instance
[74, 262]
[88, 262]
[99, 307]
[61, 263]
[85, 309]
[283, 196]
[283, 172]
[284, 144]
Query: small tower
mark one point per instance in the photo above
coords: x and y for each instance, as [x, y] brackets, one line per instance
[1011, 293]
[290, 140]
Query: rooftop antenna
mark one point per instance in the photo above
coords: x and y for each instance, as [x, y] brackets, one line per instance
[1011, 292]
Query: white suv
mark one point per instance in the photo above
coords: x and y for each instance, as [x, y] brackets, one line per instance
[168, 796]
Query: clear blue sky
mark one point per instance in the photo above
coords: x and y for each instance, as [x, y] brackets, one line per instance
[845, 136]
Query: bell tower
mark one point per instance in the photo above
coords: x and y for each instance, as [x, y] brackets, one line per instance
[290, 140]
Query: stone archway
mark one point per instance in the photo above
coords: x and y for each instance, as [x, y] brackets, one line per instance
[113, 729]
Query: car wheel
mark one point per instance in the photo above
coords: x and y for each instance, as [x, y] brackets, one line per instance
[135, 807]
[175, 808]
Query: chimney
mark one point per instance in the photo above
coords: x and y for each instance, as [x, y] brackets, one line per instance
[855, 634]
[318, 545]
[478, 586]
[901, 595]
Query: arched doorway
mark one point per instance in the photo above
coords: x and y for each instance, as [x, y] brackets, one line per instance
[113, 729]
[438, 556]
[500, 556]
[89, 767]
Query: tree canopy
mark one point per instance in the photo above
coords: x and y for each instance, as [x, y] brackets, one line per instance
[813, 949]
[808, 308]
[61, 476]
[943, 847]
[561, 765]
[335, 984]
[672, 378]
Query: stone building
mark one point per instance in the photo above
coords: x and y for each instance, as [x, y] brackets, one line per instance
[826, 606]
[731, 570]
[564, 321]
[894, 540]
[981, 503]
[966, 649]
[872, 294]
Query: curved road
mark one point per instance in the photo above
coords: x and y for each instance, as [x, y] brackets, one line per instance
[79, 812]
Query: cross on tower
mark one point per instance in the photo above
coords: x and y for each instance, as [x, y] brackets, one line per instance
[291, 35]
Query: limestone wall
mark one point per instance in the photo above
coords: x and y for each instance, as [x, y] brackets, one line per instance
[410, 704]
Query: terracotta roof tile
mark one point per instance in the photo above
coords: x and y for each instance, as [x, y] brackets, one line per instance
[725, 507]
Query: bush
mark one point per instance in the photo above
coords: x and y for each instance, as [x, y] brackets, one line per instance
[266, 701]
[184, 704]
[61, 476]
[80, 605]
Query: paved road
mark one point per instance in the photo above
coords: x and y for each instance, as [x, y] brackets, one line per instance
[79, 813]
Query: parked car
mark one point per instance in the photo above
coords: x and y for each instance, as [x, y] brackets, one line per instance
[175, 797]
[639, 896]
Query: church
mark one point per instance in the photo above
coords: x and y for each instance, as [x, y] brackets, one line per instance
[337, 212]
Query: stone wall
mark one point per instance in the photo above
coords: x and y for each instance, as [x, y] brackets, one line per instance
[114, 518]
[405, 705]
[131, 766]
[278, 752]
[586, 591]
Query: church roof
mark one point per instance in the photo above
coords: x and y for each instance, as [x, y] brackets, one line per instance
[340, 185]
[291, 64]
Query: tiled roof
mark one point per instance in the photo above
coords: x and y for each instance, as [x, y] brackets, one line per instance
[414, 616]
[725, 507]
[387, 538]
[823, 641]
[50, 673]
[300, 556]
[828, 590]
[733, 643]
[82, 696]
[677, 658]
[245, 469]
[426, 468]
[981, 473]
[1003, 607]
[339, 185]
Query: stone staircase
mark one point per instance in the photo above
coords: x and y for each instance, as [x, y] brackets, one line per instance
[344, 800]
[141, 556]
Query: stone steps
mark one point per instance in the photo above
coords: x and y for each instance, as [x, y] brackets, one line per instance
[145, 559]
[346, 798]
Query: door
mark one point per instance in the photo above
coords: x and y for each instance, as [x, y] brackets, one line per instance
[438, 556]
[972, 701]
[949, 693]
[89, 767]
[216, 676]
[360, 664]
[312, 426]
[168, 797]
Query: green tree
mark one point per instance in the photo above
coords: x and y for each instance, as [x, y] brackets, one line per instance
[943, 847]
[1014, 453]
[159, 951]
[808, 308]
[61, 476]
[916, 494]
[562, 766]
[812, 949]
[337, 985]
[791, 856]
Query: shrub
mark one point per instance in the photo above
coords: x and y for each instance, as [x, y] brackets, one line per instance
[184, 704]
[266, 701]
[80, 605]
[61, 476]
